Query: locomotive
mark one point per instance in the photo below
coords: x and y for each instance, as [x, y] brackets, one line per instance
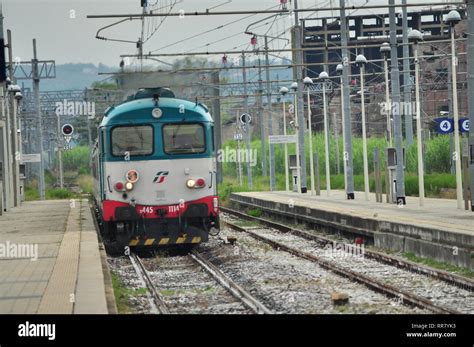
[154, 171]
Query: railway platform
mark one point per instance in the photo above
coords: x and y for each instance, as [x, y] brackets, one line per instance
[50, 261]
[438, 230]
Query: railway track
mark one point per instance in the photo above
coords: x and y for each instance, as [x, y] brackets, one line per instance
[374, 283]
[158, 303]
[236, 291]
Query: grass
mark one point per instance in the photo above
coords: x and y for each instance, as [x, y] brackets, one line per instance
[437, 185]
[32, 193]
[439, 265]
[167, 292]
[86, 183]
[436, 154]
[76, 172]
[256, 212]
[123, 294]
[439, 182]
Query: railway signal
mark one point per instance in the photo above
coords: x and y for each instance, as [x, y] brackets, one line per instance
[67, 130]
[245, 118]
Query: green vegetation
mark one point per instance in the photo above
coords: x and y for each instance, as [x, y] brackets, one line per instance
[438, 180]
[256, 212]
[77, 177]
[439, 265]
[123, 294]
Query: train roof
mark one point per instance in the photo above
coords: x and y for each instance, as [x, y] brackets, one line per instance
[142, 111]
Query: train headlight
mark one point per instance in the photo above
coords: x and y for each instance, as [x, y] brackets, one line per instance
[129, 186]
[132, 176]
[195, 183]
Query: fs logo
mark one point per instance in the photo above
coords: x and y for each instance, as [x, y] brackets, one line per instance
[160, 176]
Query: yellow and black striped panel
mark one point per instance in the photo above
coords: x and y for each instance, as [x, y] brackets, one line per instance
[164, 241]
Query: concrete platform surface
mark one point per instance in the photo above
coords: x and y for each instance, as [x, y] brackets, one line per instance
[437, 230]
[49, 259]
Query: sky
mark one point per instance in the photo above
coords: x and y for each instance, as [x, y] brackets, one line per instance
[63, 32]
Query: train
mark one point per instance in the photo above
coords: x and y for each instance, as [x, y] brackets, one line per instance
[154, 169]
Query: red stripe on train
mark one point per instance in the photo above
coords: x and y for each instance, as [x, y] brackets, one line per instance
[147, 211]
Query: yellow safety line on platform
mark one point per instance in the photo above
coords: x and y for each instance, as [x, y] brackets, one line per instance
[59, 295]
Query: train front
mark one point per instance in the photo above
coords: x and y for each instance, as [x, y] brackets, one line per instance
[156, 174]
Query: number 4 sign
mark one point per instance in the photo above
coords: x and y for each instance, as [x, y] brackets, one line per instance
[445, 125]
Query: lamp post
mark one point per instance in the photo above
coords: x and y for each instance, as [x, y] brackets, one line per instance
[415, 37]
[13, 89]
[308, 82]
[361, 61]
[340, 70]
[452, 19]
[283, 92]
[385, 51]
[294, 88]
[323, 76]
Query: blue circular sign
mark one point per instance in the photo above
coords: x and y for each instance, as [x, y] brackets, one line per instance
[464, 125]
[445, 126]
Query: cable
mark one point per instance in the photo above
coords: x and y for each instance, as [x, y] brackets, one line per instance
[209, 31]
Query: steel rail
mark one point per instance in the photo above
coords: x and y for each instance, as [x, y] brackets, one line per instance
[376, 285]
[233, 288]
[453, 279]
[143, 274]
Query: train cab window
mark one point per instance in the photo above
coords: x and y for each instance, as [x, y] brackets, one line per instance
[134, 140]
[184, 139]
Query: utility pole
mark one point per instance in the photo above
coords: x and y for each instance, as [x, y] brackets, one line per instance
[347, 104]
[270, 125]
[452, 21]
[407, 85]
[60, 151]
[336, 139]
[397, 120]
[6, 130]
[247, 124]
[260, 119]
[36, 80]
[15, 152]
[297, 38]
[450, 110]
[216, 110]
[470, 82]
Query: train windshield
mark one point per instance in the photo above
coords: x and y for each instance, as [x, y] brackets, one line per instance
[132, 140]
[183, 139]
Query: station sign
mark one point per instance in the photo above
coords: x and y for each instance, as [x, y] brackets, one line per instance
[31, 158]
[446, 125]
[278, 139]
[464, 125]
